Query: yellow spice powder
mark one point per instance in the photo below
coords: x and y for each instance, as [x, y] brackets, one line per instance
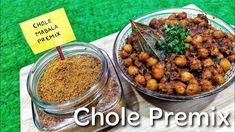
[67, 79]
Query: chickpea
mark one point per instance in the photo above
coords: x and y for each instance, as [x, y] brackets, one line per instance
[152, 84]
[208, 62]
[128, 48]
[183, 23]
[160, 65]
[165, 87]
[182, 15]
[123, 54]
[203, 52]
[218, 34]
[197, 39]
[188, 39]
[193, 81]
[168, 22]
[180, 61]
[133, 56]
[231, 58]
[180, 87]
[190, 19]
[220, 56]
[147, 76]
[197, 20]
[214, 51]
[185, 76]
[206, 85]
[132, 70]
[208, 40]
[127, 62]
[225, 64]
[231, 37]
[162, 87]
[153, 22]
[192, 89]
[217, 69]
[208, 31]
[206, 74]
[219, 79]
[143, 56]
[195, 64]
[161, 19]
[158, 73]
[172, 16]
[140, 79]
[151, 61]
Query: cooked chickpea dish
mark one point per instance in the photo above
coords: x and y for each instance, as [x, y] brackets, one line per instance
[200, 68]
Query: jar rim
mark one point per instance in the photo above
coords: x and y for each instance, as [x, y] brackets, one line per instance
[43, 104]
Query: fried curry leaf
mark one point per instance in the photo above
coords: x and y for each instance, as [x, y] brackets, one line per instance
[147, 39]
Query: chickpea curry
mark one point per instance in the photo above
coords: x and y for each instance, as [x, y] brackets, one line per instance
[193, 65]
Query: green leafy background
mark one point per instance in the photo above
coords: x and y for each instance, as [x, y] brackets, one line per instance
[90, 20]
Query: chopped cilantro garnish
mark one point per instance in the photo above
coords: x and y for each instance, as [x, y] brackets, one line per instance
[173, 40]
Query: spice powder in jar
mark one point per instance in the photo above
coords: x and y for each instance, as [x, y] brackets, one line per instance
[67, 79]
[85, 78]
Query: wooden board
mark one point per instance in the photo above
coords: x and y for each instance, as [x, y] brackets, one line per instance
[224, 101]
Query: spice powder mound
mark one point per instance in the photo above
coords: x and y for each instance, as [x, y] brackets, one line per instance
[67, 79]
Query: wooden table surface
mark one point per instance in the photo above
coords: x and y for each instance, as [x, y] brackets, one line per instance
[136, 101]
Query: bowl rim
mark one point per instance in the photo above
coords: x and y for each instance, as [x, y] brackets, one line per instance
[165, 96]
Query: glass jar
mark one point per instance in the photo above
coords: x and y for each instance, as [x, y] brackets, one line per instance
[105, 95]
